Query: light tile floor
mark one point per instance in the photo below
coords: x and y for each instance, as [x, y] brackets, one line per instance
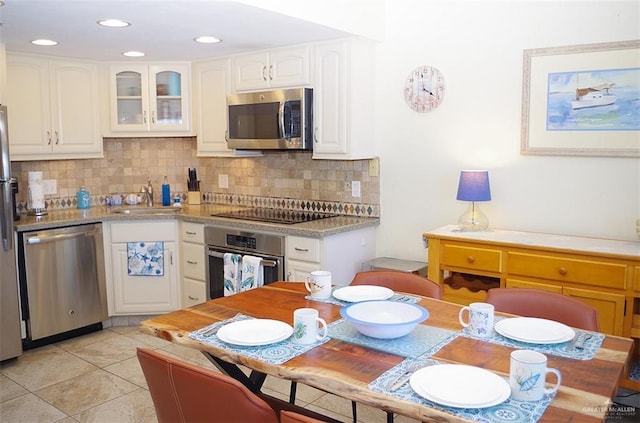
[96, 378]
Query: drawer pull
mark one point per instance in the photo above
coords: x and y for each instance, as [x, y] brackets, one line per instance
[304, 250]
[192, 262]
[562, 271]
[471, 259]
[190, 233]
[192, 298]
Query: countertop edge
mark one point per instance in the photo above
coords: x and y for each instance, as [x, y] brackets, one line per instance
[196, 214]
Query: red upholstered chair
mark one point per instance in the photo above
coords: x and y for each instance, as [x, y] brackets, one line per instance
[400, 282]
[182, 392]
[291, 417]
[529, 302]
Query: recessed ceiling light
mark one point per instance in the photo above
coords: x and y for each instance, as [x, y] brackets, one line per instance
[113, 23]
[133, 54]
[207, 39]
[44, 42]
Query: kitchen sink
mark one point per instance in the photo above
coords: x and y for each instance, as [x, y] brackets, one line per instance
[147, 210]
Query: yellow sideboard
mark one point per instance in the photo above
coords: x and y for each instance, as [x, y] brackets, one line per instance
[601, 272]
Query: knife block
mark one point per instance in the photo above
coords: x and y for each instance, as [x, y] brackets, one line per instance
[194, 197]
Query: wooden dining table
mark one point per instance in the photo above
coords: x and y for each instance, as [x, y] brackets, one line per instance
[346, 369]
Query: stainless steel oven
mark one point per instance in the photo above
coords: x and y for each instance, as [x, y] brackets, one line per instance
[221, 240]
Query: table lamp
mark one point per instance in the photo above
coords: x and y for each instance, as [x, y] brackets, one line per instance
[474, 187]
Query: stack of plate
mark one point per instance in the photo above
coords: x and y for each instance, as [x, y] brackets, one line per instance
[534, 331]
[253, 332]
[460, 386]
[357, 293]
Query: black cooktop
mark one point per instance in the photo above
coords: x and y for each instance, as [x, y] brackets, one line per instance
[275, 215]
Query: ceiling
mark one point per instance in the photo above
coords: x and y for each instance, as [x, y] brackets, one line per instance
[163, 29]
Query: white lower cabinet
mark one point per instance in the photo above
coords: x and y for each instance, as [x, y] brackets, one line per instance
[129, 294]
[193, 264]
[342, 254]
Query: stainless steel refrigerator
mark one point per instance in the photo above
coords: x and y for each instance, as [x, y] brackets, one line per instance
[10, 335]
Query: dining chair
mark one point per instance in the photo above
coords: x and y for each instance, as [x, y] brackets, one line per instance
[531, 302]
[400, 282]
[182, 392]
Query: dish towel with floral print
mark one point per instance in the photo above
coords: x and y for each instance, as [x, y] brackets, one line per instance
[252, 273]
[145, 258]
[231, 266]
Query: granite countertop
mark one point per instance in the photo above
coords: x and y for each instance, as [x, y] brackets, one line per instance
[197, 214]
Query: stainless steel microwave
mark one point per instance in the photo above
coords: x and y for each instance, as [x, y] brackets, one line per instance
[271, 120]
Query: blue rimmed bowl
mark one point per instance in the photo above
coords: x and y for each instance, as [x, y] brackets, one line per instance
[384, 319]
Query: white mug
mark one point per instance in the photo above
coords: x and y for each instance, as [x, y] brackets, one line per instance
[528, 374]
[318, 283]
[305, 326]
[480, 322]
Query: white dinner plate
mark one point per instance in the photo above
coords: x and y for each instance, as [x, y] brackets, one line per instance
[357, 293]
[534, 331]
[460, 386]
[252, 332]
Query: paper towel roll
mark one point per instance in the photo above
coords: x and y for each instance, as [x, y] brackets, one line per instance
[36, 191]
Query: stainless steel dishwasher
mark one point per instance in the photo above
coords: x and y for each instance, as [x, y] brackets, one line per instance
[62, 283]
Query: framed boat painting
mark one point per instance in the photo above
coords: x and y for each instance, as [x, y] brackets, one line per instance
[582, 100]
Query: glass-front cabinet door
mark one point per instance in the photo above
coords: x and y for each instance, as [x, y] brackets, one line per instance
[150, 98]
[130, 100]
[168, 101]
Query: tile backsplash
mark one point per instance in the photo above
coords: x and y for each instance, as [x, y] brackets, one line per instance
[277, 179]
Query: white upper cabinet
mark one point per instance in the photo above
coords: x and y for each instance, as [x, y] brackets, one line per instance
[54, 108]
[211, 84]
[344, 98]
[284, 67]
[150, 98]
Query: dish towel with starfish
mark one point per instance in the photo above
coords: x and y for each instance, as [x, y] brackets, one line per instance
[252, 273]
[231, 265]
[145, 258]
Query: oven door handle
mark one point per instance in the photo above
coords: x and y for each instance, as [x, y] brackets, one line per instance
[266, 263]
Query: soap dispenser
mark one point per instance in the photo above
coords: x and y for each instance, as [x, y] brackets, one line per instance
[166, 193]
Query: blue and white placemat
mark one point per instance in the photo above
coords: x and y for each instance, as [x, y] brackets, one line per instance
[587, 351]
[276, 353]
[510, 411]
[421, 340]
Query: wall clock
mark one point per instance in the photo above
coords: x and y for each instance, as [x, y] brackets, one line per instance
[424, 90]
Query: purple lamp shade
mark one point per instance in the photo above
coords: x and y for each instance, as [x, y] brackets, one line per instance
[474, 186]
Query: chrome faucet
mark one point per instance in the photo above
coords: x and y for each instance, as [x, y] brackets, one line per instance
[147, 193]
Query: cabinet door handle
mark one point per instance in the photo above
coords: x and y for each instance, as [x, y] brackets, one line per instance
[171, 258]
[49, 137]
[304, 250]
[192, 262]
[144, 117]
[57, 138]
[562, 271]
[191, 297]
[271, 72]
[264, 73]
[289, 276]
[153, 117]
[471, 259]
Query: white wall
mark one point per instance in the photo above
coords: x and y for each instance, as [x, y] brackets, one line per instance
[478, 47]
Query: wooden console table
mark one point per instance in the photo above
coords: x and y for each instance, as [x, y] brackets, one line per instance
[603, 273]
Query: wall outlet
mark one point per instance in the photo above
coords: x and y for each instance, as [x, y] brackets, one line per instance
[355, 188]
[374, 168]
[49, 186]
[223, 181]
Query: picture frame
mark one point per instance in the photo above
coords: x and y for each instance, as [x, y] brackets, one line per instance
[582, 100]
